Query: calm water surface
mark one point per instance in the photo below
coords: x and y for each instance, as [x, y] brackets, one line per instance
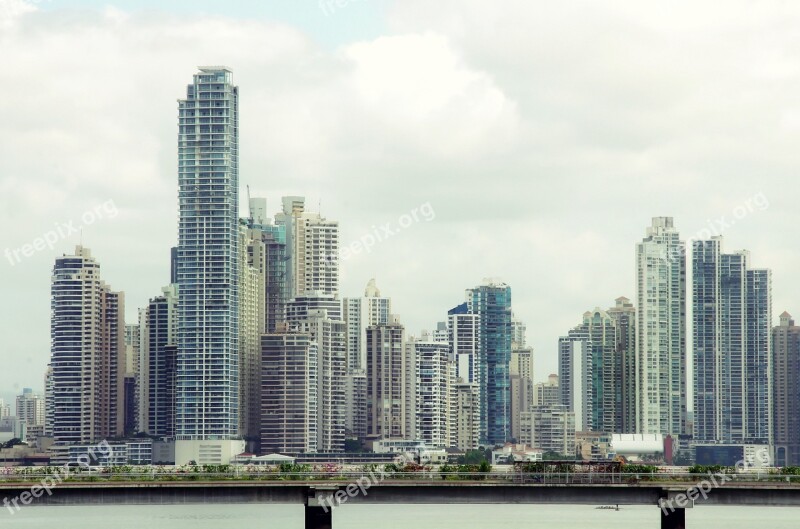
[391, 517]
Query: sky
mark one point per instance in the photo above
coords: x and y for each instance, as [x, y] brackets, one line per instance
[539, 137]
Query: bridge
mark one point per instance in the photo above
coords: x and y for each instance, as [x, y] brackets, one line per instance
[321, 494]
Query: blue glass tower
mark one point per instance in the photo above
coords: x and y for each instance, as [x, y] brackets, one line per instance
[207, 262]
[492, 302]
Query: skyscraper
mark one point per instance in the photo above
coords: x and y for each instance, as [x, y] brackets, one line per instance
[732, 364]
[326, 332]
[289, 391]
[590, 373]
[624, 315]
[491, 302]
[159, 324]
[661, 330]
[207, 268]
[464, 329]
[786, 391]
[432, 378]
[30, 408]
[360, 313]
[387, 389]
[87, 352]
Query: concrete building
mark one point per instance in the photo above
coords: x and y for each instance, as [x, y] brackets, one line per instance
[661, 330]
[360, 313]
[433, 375]
[252, 324]
[207, 422]
[314, 254]
[327, 331]
[786, 391]
[465, 341]
[272, 260]
[289, 393]
[549, 428]
[547, 393]
[31, 408]
[590, 373]
[87, 352]
[466, 415]
[356, 405]
[732, 361]
[157, 375]
[388, 372]
[624, 315]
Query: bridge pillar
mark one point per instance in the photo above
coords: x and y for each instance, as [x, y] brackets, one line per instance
[318, 518]
[673, 520]
[319, 507]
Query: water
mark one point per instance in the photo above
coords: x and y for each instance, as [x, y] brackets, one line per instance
[391, 517]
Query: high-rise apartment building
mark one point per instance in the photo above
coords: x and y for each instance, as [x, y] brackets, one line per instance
[464, 331]
[480, 338]
[786, 391]
[732, 363]
[87, 352]
[360, 313]
[624, 315]
[388, 371]
[326, 332]
[252, 324]
[590, 373]
[207, 268]
[466, 415]
[158, 350]
[661, 330]
[549, 428]
[432, 379]
[31, 408]
[547, 393]
[289, 389]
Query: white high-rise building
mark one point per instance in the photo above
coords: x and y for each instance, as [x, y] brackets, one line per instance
[326, 331]
[360, 313]
[208, 259]
[314, 254]
[465, 340]
[661, 330]
[432, 379]
[31, 408]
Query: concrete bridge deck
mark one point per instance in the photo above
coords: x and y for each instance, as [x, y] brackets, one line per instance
[320, 498]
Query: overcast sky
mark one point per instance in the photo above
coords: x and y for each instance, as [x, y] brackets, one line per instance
[544, 136]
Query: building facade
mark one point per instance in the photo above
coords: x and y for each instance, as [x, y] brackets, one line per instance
[207, 424]
[87, 352]
[731, 338]
[661, 330]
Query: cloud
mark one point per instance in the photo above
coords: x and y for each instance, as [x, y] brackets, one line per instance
[545, 136]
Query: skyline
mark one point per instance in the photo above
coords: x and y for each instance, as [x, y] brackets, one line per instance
[133, 247]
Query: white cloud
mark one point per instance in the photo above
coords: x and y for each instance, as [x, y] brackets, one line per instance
[545, 135]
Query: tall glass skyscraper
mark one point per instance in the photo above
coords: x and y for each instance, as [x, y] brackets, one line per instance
[207, 263]
[492, 302]
[732, 363]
